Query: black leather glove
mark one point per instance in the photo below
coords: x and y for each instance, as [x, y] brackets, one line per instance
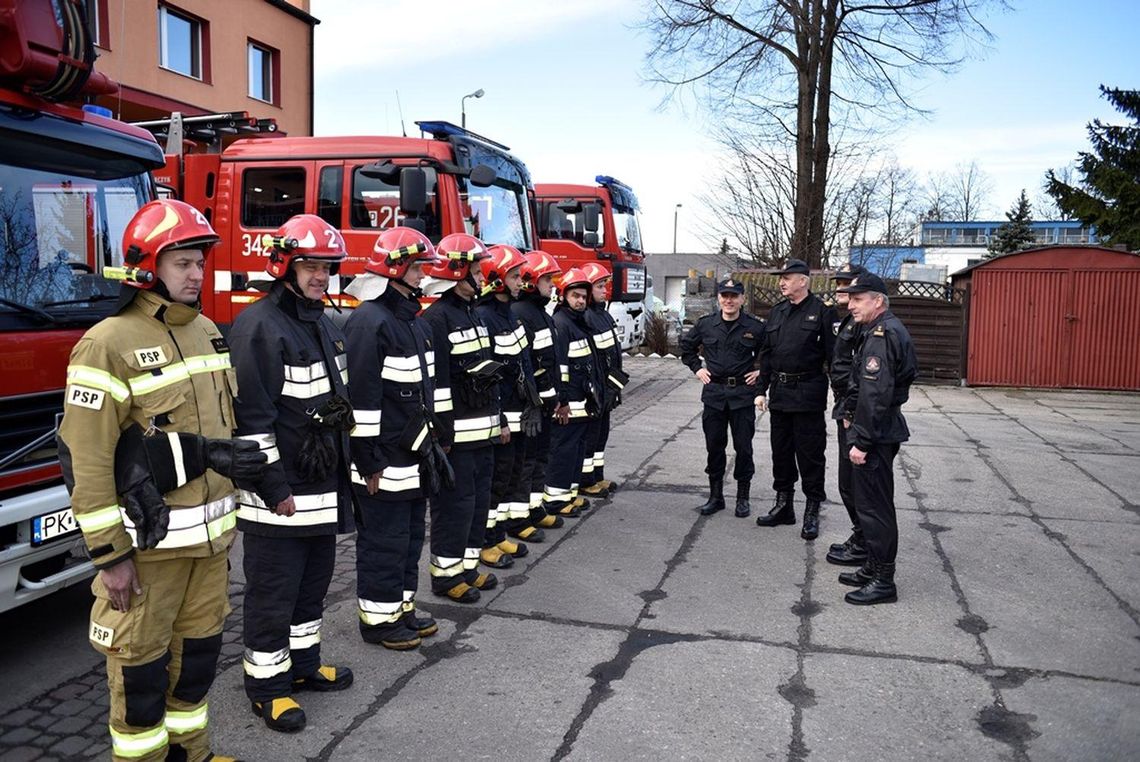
[531, 420]
[335, 413]
[135, 482]
[239, 459]
[318, 456]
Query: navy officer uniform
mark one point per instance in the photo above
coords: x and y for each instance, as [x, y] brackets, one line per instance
[798, 341]
[731, 351]
[883, 369]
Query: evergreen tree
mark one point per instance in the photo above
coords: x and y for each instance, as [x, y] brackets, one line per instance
[1108, 195]
[1017, 233]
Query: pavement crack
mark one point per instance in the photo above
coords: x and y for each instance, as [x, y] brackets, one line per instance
[796, 691]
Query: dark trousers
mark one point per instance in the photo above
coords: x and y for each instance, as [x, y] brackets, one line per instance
[519, 515]
[717, 422]
[286, 579]
[538, 457]
[799, 439]
[388, 546]
[874, 491]
[509, 496]
[598, 447]
[846, 490]
[567, 444]
[459, 518]
[589, 443]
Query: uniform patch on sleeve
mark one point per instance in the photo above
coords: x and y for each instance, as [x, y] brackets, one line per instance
[220, 345]
[101, 635]
[835, 327]
[85, 397]
[151, 357]
[872, 365]
[339, 345]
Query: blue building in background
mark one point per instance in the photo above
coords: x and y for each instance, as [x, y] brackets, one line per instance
[957, 245]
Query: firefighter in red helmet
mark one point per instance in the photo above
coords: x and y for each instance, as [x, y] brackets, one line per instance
[535, 294]
[467, 404]
[157, 365]
[607, 344]
[397, 460]
[521, 405]
[292, 368]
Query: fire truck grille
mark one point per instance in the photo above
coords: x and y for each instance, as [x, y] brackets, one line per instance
[24, 421]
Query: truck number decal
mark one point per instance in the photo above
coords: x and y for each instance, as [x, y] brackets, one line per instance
[150, 357]
[84, 397]
[251, 245]
[385, 217]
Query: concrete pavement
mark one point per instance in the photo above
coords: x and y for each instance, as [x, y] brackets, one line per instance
[644, 631]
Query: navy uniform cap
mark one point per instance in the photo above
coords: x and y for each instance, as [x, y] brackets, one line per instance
[849, 272]
[795, 267]
[730, 286]
[864, 283]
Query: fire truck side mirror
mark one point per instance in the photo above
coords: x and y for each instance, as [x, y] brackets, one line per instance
[413, 190]
[590, 220]
[482, 176]
[590, 239]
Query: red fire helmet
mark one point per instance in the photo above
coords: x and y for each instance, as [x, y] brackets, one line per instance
[538, 263]
[503, 259]
[304, 237]
[397, 249]
[595, 272]
[575, 277]
[157, 227]
[455, 253]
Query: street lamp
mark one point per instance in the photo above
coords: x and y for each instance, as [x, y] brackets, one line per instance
[462, 106]
[675, 227]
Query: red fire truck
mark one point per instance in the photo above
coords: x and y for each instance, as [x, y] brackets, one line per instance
[449, 181]
[70, 179]
[598, 223]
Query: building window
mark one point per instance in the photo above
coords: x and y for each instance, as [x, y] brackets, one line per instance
[179, 42]
[262, 73]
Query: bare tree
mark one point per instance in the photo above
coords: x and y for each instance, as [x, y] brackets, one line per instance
[793, 67]
[970, 188]
[1047, 206]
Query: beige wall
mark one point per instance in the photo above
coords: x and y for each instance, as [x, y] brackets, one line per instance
[131, 58]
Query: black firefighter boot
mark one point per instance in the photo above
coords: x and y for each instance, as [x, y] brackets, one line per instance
[881, 588]
[853, 552]
[716, 498]
[743, 507]
[810, 528]
[783, 511]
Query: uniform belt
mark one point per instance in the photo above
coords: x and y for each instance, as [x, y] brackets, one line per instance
[728, 380]
[791, 378]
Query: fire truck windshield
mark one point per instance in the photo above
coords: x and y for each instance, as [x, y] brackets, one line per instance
[499, 213]
[57, 233]
[628, 231]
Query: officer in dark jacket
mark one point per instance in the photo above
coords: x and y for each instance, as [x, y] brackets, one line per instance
[883, 369]
[798, 340]
[579, 396]
[395, 457]
[467, 405]
[730, 341]
[530, 308]
[292, 374]
[851, 552]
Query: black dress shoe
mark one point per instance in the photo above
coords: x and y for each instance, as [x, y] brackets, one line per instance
[876, 591]
[743, 508]
[783, 512]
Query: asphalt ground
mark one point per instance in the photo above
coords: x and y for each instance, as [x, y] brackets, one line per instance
[644, 631]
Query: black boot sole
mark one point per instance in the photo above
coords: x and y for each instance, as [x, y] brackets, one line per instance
[840, 558]
[710, 511]
[764, 521]
[853, 581]
[870, 601]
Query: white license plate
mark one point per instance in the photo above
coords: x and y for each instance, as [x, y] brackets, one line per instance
[52, 525]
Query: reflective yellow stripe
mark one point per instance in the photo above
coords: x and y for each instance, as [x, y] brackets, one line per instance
[218, 527]
[186, 722]
[100, 379]
[102, 518]
[179, 371]
[139, 744]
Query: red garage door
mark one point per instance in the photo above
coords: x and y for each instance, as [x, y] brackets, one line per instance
[1105, 320]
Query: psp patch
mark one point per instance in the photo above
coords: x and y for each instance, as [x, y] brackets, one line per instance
[101, 635]
[151, 357]
[872, 365]
[84, 397]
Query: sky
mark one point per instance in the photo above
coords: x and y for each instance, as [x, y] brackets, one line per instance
[565, 89]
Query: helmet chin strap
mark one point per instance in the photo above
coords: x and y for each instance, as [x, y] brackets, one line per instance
[416, 291]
